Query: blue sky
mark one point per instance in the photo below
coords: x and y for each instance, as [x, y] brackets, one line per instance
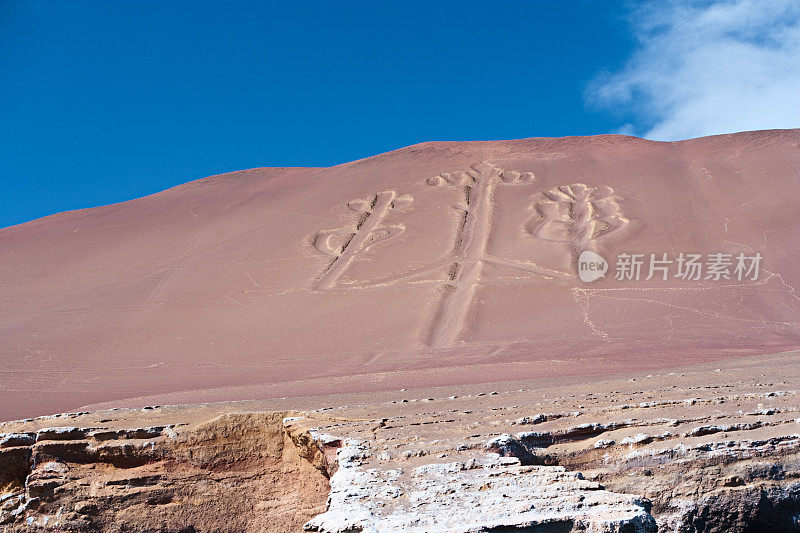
[103, 101]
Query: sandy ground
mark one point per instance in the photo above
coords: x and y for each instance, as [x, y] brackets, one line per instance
[743, 376]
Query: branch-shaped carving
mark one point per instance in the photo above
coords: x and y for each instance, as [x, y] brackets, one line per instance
[345, 244]
[478, 184]
[576, 214]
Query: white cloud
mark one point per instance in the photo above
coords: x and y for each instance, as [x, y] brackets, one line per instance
[704, 68]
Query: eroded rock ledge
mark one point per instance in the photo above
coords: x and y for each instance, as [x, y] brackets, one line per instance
[236, 472]
[491, 494]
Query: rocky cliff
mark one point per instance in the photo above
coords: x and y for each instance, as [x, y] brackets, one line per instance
[700, 449]
[236, 472]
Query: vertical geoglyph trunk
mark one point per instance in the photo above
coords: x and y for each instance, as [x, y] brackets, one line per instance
[479, 183]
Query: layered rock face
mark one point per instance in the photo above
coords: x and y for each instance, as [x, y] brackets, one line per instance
[237, 472]
[700, 449]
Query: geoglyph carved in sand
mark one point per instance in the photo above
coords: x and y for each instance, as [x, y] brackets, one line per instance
[576, 214]
[345, 244]
[478, 184]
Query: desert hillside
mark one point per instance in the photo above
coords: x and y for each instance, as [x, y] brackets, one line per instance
[437, 264]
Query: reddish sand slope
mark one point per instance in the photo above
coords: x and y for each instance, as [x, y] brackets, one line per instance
[438, 263]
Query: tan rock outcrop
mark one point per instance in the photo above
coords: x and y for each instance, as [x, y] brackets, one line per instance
[237, 472]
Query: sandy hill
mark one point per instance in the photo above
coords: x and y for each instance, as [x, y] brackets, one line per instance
[440, 263]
